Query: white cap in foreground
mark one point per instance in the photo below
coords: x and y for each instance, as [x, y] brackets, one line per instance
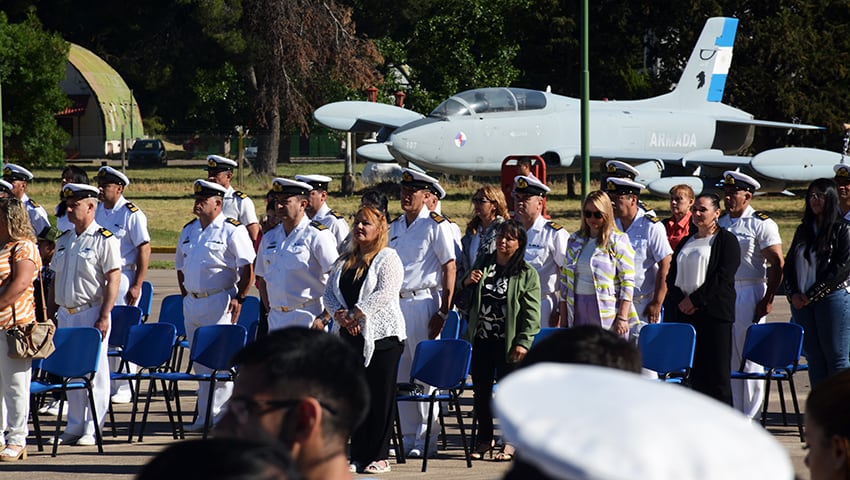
[581, 422]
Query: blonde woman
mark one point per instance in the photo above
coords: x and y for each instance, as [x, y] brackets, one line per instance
[362, 294]
[599, 279]
[19, 267]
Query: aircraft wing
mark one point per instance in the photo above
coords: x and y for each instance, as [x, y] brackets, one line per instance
[769, 124]
[363, 117]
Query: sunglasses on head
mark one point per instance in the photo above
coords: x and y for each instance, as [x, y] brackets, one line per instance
[597, 214]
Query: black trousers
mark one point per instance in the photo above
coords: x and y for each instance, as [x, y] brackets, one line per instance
[712, 358]
[488, 363]
[371, 440]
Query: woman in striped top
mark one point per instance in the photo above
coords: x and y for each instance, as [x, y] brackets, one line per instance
[19, 266]
[598, 281]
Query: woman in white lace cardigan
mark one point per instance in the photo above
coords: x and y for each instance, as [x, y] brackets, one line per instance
[362, 295]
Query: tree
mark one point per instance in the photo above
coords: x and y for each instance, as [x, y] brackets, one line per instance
[442, 47]
[180, 58]
[297, 50]
[32, 63]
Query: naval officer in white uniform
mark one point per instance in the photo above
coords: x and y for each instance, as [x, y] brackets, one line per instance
[546, 249]
[756, 280]
[318, 209]
[87, 266]
[425, 243]
[215, 270]
[235, 204]
[20, 178]
[294, 259]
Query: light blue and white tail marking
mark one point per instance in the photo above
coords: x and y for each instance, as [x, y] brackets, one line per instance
[720, 68]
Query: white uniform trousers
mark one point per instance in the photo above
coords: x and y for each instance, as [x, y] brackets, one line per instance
[199, 312]
[413, 416]
[80, 419]
[548, 304]
[15, 375]
[122, 387]
[747, 395]
[300, 317]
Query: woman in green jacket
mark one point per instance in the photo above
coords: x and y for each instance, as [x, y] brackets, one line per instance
[503, 319]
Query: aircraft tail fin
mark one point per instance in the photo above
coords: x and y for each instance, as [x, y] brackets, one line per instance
[704, 77]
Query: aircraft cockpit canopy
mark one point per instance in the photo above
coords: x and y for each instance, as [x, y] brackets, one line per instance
[488, 100]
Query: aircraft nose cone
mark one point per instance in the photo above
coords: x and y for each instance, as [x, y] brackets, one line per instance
[418, 141]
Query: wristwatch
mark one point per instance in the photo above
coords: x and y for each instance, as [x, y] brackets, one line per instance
[442, 315]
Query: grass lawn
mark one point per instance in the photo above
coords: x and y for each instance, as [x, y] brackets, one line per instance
[164, 194]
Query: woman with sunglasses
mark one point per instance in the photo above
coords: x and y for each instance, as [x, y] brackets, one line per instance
[598, 281]
[816, 280]
[489, 210]
[701, 292]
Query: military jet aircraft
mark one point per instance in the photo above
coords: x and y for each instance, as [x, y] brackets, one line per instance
[684, 136]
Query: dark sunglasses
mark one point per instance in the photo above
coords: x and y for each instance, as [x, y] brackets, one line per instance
[480, 200]
[597, 214]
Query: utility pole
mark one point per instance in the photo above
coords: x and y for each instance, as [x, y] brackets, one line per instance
[585, 102]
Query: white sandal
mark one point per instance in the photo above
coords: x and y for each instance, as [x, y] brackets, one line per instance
[11, 454]
[378, 466]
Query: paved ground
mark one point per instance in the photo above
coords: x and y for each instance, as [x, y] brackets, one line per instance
[121, 460]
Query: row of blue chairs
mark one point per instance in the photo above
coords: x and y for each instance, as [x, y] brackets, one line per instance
[668, 348]
[171, 311]
[149, 346]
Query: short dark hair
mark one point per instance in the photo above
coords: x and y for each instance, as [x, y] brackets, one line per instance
[221, 458]
[376, 198]
[514, 229]
[76, 174]
[586, 344]
[299, 361]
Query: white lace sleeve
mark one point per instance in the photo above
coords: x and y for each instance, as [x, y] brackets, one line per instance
[379, 301]
[329, 298]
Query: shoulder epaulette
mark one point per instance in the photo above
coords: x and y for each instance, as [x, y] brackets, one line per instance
[337, 214]
[233, 222]
[554, 226]
[437, 217]
[449, 218]
[190, 222]
[761, 215]
[32, 202]
[242, 195]
[132, 207]
[652, 218]
[63, 233]
[105, 232]
[318, 225]
[396, 218]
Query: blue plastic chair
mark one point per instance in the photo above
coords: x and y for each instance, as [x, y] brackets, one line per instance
[668, 348]
[75, 360]
[123, 317]
[249, 316]
[776, 347]
[171, 311]
[543, 334]
[149, 346]
[213, 347]
[451, 328]
[146, 300]
[443, 364]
